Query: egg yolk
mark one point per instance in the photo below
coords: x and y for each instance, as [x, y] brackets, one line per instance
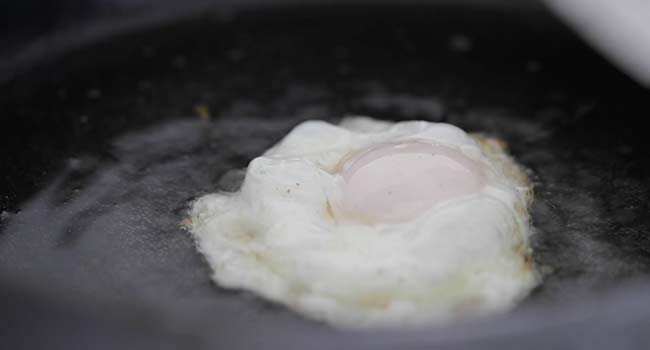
[396, 182]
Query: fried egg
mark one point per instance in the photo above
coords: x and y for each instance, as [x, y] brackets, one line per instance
[375, 224]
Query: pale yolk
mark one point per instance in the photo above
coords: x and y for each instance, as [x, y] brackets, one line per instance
[395, 182]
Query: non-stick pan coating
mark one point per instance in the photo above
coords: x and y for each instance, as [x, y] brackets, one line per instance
[104, 149]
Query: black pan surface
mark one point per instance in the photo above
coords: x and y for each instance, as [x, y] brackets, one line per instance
[103, 149]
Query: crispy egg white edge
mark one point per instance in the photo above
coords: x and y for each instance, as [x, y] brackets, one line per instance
[237, 263]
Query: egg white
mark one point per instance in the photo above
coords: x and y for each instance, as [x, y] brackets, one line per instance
[286, 236]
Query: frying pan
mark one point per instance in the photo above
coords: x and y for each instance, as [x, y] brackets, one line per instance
[106, 140]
